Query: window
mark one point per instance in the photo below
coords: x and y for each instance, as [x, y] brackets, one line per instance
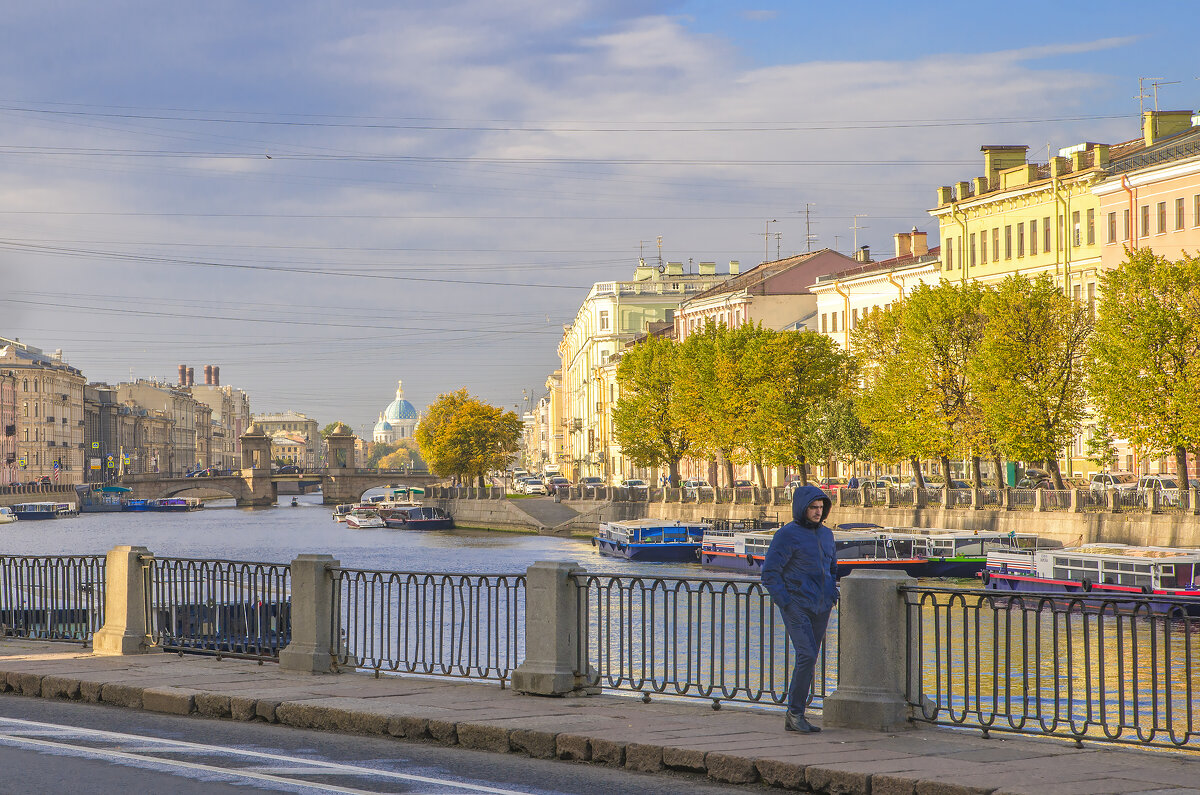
[1196, 210]
[1032, 238]
[1046, 234]
[604, 320]
[853, 318]
[1179, 213]
[1075, 229]
[824, 324]
[834, 327]
[1144, 230]
[971, 261]
[983, 236]
[1020, 240]
[1112, 227]
[1077, 293]
[1161, 225]
[1125, 224]
[996, 244]
[1008, 242]
[1091, 227]
[949, 253]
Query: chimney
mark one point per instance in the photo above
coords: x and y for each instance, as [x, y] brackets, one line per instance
[903, 244]
[708, 268]
[216, 375]
[1160, 124]
[191, 376]
[208, 374]
[863, 254]
[735, 267]
[920, 244]
[998, 158]
[183, 375]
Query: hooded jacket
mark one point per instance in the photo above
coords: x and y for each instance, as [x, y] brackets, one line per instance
[801, 566]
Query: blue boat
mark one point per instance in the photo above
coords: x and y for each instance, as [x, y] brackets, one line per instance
[33, 511]
[136, 505]
[650, 540]
[417, 517]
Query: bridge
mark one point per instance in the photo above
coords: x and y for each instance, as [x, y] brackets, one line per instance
[255, 485]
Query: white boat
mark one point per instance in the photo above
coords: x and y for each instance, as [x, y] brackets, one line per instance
[7, 516]
[361, 518]
[340, 512]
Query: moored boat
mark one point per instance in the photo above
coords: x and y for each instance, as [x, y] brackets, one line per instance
[361, 518]
[340, 512]
[6, 515]
[963, 553]
[35, 511]
[1109, 577]
[650, 540]
[417, 517]
[101, 499]
[135, 505]
[175, 504]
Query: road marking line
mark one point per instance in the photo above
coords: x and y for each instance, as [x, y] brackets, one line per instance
[322, 766]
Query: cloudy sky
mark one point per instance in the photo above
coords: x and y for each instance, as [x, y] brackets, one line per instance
[324, 197]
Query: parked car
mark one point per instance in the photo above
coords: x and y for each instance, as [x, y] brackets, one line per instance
[695, 488]
[743, 485]
[590, 482]
[1166, 486]
[1121, 481]
[832, 483]
[290, 469]
[635, 485]
[533, 486]
[1040, 480]
[558, 480]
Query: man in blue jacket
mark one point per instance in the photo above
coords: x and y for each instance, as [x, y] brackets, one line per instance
[800, 573]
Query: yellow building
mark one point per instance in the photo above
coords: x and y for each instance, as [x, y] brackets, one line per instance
[290, 427]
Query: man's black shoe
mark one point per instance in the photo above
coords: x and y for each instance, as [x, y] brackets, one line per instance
[797, 723]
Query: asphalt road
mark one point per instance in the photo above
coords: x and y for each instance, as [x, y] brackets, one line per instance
[56, 747]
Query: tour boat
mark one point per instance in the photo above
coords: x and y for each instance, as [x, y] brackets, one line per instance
[963, 553]
[176, 504]
[855, 549]
[7, 516]
[650, 540]
[396, 497]
[340, 512]
[136, 505]
[417, 517]
[66, 509]
[27, 511]
[1109, 577]
[361, 518]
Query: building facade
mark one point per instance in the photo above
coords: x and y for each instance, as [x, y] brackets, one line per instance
[176, 455]
[48, 420]
[397, 421]
[298, 436]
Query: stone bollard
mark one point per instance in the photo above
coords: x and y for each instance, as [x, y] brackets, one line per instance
[976, 499]
[1039, 500]
[1114, 503]
[872, 654]
[1077, 500]
[892, 500]
[553, 643]
[309, 651]
[125, 629]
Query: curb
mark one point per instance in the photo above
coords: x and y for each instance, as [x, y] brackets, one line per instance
[635, 757]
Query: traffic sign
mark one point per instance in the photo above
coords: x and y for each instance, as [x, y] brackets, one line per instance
[95, 445]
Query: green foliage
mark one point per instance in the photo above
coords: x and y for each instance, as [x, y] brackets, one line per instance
[377, 452]
[1101, 449]
[644, 421]
[1028, 376]
[1144, 363]
[333, 426]
[463, 437]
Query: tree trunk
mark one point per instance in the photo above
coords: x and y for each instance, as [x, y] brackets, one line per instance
[1181, 476]
[946, 469]
[803, 470]
[918, 478]
[762, 478]
[728, 468]
[674, 479]
[999, 470]
[1055, 474]
[976, 472]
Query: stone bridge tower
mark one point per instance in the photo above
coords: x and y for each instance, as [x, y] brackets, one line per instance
[340, 446]
[256, 449]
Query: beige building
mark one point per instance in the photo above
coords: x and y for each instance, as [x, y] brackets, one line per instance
[48, 417]
[230, 418]
[612, 314]
[290, 427]
[175, 404]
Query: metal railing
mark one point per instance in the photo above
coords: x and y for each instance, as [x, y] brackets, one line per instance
[228, 608]
[51, 598]
[1104, 668]
[469, 625]
[718, 639]
[1056, 499]
[1093, 501]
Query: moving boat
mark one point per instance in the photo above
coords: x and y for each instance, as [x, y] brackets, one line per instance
[361, 518]
[650, 540]
[340, 512]
[417, 517]
[1109, 577]
[295, 502]
[7, 516]
[34, 511]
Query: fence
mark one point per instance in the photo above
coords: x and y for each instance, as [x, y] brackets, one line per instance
[51, 598]
[468, 625]
[717, 639]
[222, 607]
[1083, 667]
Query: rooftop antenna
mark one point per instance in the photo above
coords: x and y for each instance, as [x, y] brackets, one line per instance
[778, 242]
[809, 237]
[767, 240]
[1142, 96]
[855, 227]
[1158, 83]
[660, 262]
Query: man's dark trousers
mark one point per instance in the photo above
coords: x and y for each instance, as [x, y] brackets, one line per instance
[806, 630]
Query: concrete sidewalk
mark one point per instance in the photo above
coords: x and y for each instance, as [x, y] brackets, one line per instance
[734, 745]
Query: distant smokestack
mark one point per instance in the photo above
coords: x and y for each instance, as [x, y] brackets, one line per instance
[191, 376]
[208, 374]
[183, 375]
[216, 375]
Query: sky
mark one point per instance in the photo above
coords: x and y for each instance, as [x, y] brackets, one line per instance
[325, 197]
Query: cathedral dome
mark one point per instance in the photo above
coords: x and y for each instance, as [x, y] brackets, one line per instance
[398, 421]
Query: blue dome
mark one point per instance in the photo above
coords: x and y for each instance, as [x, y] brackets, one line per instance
[400, 409]
[382, 425]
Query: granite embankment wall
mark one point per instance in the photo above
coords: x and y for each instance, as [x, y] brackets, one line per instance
[1177, 529]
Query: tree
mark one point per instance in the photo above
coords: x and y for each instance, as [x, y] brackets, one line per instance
[464, 437]
[1028, 377]
[645, 423]
[1144, 364]
[332, 427]
[378, 451]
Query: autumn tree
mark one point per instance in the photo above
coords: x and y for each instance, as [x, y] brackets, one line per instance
[464, 437]
[1144, 364]
[645, 421]
[1029, 374]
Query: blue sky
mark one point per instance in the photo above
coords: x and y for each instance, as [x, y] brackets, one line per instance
[325, 197]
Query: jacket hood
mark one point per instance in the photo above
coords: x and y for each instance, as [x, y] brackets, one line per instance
[804, 497]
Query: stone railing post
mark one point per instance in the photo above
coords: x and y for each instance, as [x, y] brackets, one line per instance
[1114, 503]
[309, 651]
[892, 500]
[1196, 501]
[865, 497]
[976, 499]
[1006, 498]
[872, 653]
[1076, 500]
[1039, 500]
[125, 629]
[839, 502]
[1155, 501]
[918, 497]
[552, 632]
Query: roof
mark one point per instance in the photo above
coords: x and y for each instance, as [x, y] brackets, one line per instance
[757, 276]
[933, 255]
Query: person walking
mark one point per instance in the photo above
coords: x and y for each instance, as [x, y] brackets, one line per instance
[800, 573]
